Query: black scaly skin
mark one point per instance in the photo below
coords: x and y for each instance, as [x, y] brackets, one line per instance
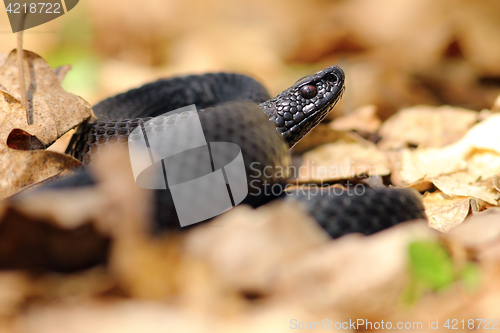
[290, 115]
[295, 115]
[121, 114]
[365, 210]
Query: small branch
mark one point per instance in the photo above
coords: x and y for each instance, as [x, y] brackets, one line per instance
[20, 62]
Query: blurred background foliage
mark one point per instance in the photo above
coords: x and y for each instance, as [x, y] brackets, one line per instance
[395, 53]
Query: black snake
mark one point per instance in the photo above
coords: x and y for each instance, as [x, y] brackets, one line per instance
[236, 108]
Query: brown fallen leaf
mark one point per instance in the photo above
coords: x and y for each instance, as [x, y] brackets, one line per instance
[356, 274]
[61, 72]
[53, 110]
[3, 57]
[426, 126]
[22, 168]
[133, 315]
[484, 135]
[320, 135]
[421, 186]
[244, 246]
[479, 229]
[465, 185]
[51, 113]
[342, 160]
[483, 164]
[496, 182]
[422, 164]
[445, 212]
[477, 152]
[362, 119]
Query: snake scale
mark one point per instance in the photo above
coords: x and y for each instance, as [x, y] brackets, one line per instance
[236, 108]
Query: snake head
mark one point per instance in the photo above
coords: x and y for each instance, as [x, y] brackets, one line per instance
[298, 109]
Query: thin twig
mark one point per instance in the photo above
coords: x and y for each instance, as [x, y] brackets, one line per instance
[20, 62]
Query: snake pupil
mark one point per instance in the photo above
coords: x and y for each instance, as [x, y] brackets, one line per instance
[308, 91]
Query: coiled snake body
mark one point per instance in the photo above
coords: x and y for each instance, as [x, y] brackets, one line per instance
[236, 108]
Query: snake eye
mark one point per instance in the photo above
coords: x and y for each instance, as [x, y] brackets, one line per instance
[308, 91]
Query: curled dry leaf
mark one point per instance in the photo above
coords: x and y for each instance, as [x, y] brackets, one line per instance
[445, 212]
[320, 135]
[483, 138]
[343, 160]
[423, 164]
[61, 72]
[22, 168]
[496, 182]
[484, 135]
[152, 317]
[426, 126]
[483, 164]
[51, 112]
[465, 185]
[478, 229]
[3, 57]
[462, 171]
[70, 228]
[363, 119]
[359, 275]
[244, 246]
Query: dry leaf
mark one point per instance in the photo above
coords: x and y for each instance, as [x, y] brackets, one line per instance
[363, 119]
[445, 212]
[244, 246]
[496, 182]
[483, 164]
[320, 135]
[61, 72]
[465, 185]
[484, 135]
[3, 57]
[53, 112]
[426, 126]
[342, 160]
[421, 186]
[360, 275]
[22, 168]
[428, 163]
[478, 229]
[70, 228]
[477, 150]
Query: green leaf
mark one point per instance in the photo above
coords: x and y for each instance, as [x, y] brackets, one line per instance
[470, 276]
[431, 265]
